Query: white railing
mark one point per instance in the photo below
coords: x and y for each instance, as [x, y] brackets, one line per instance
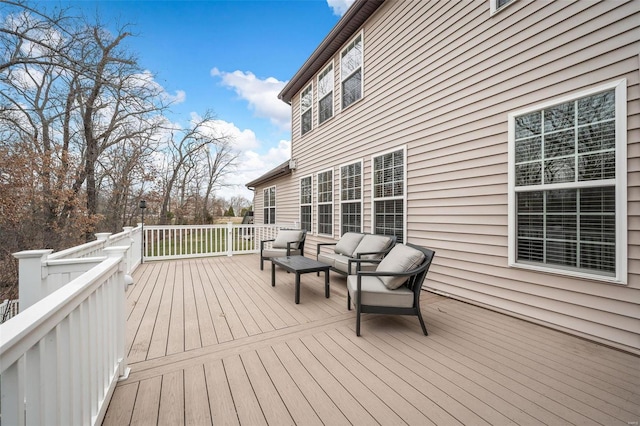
[176, 242]
[62, 355]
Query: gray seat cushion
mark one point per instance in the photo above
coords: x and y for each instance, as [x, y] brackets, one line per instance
[348, 243]
[401, 258]
[342, 263]
[376, 293]
[371, 243]
[329, 258]
[278, 252]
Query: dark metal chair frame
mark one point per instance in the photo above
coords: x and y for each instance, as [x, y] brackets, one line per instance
[415, 280]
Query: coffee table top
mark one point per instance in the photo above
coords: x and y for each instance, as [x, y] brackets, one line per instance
[300, 264]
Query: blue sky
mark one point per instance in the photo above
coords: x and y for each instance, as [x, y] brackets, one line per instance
[229, 56]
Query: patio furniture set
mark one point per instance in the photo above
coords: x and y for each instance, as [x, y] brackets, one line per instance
[382, 277]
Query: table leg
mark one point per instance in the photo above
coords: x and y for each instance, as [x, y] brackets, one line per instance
[273, 274]
[326, 283]
[297, 287]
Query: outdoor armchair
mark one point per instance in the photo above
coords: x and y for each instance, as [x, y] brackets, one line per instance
[394, 287]
[288, 242]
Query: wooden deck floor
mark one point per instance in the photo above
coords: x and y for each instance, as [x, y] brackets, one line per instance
[211, 342]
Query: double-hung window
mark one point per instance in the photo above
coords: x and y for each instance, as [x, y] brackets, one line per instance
[325, 94]
[351, 197]
[351, 71]
[325, 202]
[269, 204]
[306, 199]
[567, 185]
[389, 181]
[306, 109]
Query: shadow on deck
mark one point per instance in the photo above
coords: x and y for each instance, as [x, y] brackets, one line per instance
[211, 342]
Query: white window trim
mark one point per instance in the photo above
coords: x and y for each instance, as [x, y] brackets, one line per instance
[310, 88]
[404, 192]
[318, 203]
[620, 87]
[300, 202]
[361, 34]
[361, 161]
[493, 6]
[275, 210]
[333, 97]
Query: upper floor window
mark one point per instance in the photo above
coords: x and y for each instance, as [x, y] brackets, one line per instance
[306, 199]
[325, 94]
[269, 204]
[496, 5]
[325, 202]
[351, 72]
[306, 109]
[351, 197]
[567, 183]
[389, 194]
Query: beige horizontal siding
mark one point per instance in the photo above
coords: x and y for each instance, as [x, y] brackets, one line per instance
[441, 81]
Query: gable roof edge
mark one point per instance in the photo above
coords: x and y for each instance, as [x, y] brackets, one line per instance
[346, 27]
[279, 171]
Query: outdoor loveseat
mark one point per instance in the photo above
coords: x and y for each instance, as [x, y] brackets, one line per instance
[288, 242]
[354, 245]
[394, 287]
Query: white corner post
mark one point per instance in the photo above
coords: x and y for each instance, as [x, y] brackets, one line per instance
[103, 236]
[32, 276]
[229, 238]
[129, 256]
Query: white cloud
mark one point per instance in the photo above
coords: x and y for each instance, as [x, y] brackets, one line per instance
[262, 95]
[252, 165]
[249, 164]
[339, 7]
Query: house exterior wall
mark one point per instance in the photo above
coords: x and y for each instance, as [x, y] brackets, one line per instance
[440, 79]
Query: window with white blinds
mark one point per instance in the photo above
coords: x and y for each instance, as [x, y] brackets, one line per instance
[306, 109]
[351, 71]
[306, 199]
[565, 180]
[325, 94]
[325, 202]
[269, 204]
[351, 197]
[389, 194]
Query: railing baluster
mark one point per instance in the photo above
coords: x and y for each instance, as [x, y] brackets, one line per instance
[13, 393]
[49, 386]
[64, 367]
[33, 387]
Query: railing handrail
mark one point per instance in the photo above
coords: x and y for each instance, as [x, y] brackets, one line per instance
[93, 248]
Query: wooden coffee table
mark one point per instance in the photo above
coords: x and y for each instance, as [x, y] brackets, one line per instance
[300, 265]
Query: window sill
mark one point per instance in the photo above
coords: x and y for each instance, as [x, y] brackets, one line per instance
[570, 274]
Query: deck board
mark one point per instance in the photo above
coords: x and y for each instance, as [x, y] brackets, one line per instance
[210, 341]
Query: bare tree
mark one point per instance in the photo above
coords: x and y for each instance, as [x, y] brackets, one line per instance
[195, 156]
[31, 37]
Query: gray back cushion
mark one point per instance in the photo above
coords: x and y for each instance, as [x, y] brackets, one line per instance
[401, 258]
[286, 236]
[372, 243]
[348, 243]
